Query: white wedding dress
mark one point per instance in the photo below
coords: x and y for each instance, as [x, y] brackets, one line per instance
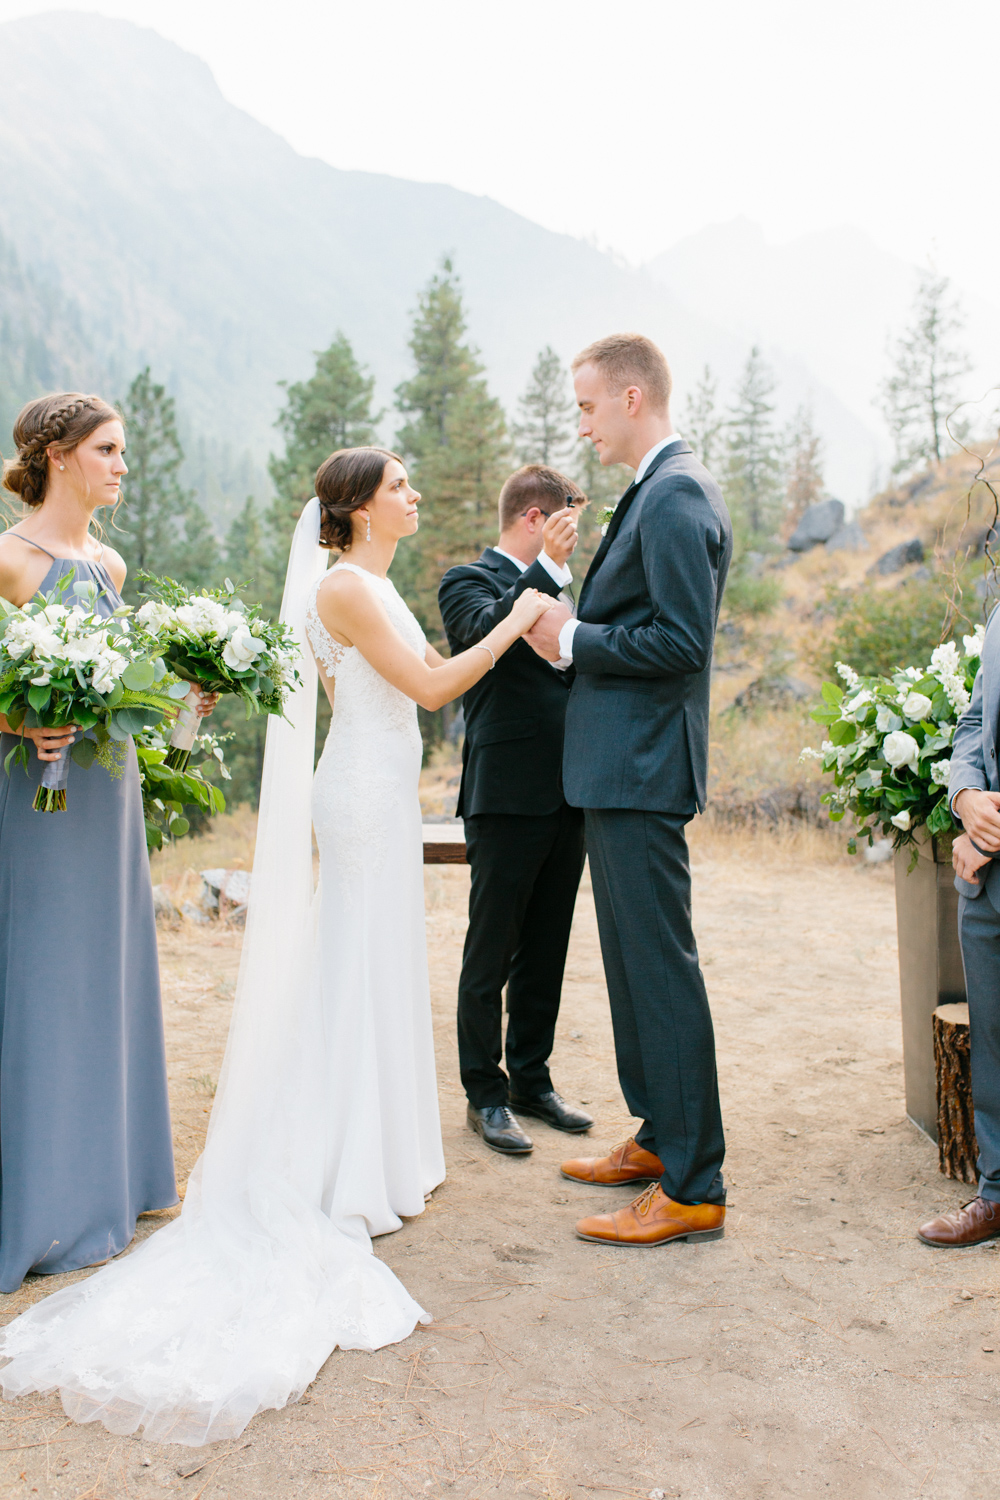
[325, 1127]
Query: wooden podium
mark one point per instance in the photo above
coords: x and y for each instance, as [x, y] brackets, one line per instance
[444, 844]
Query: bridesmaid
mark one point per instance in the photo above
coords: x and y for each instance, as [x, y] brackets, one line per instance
[85, 1141]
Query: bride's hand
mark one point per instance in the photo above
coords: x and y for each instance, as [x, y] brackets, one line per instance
[529, 607]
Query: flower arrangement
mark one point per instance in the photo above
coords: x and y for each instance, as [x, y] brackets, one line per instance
[65, 664]
[889, 746]
[605, 516]
[166, 791]
[218, 644]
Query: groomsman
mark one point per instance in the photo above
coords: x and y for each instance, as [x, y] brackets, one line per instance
[525, 845]
[974, 795]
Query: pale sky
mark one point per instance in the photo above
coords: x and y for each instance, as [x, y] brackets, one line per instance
[636, 122]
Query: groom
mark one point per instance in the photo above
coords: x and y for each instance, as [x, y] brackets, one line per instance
[635, 759]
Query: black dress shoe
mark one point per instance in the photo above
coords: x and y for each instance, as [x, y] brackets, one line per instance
[553, 1109]
[499, 1129]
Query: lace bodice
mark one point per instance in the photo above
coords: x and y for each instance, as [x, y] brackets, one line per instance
[364, 701]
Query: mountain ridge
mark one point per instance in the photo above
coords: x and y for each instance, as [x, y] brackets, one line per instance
[198, 241]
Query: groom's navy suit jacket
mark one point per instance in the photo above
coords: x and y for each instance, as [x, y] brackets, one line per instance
[974, 751]
[637, 720]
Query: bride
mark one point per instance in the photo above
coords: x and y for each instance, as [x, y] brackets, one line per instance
[325, 1127]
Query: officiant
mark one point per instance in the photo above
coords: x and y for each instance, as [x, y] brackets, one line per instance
[525, 844]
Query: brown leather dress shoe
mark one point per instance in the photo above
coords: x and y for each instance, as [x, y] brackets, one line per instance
[971, 1224]
[655, 1219]
[628, 1162]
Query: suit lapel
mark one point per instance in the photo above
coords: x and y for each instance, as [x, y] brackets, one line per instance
[991, 686]
[622, 509]
[506, 571]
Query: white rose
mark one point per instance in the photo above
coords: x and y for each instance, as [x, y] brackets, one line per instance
[901, 820]
[916, 706]
[974, 643]
[154, 616]
[940, 771]
[53, 613]
[42, 681]
[86, 648]
[886, 720]
[242, 649]
[901, 749]
[47, 643]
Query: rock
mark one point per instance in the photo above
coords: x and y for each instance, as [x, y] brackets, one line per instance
[771, 692]
[817, 526]
[194, 914]
[849, 538]
[223, 889]
[919, 575]
[879, 852]
[899, 557]
[237, 917]
[164, 909]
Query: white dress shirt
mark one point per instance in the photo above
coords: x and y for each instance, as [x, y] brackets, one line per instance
[560, 575]
[568, 631]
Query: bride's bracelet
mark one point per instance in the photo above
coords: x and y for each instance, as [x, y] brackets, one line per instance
[493, 661]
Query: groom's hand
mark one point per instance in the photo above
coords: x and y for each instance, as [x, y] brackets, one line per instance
[559, 535]
[543, 636]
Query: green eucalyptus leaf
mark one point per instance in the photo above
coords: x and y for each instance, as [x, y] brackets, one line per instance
[83, 753]
[179, 827]
[139, 676]
[39, 698]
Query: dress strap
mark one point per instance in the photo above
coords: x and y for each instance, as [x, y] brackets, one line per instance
[353, 568]
[34, 544]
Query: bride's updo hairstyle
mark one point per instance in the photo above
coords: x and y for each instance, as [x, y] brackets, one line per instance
[344, 482]
[59, 423]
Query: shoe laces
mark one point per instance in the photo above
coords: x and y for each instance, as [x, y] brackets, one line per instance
[618, 1154]
[645, 1199]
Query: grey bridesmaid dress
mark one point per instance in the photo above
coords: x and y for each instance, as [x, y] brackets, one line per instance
[85, 1143]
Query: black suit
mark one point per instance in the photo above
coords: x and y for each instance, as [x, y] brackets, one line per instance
[635, 757]
[525, 845]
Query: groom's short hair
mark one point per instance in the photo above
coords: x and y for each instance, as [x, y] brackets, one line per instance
[535, 484]
[626, 359]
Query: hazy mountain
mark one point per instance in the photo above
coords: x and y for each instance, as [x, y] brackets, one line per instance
[185, 234]
[830, 299]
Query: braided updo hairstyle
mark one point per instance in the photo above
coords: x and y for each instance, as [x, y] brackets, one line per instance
[58, 422]
[344, 482]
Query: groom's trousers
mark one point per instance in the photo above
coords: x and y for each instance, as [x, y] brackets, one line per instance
[525, 875]
[664, 1040]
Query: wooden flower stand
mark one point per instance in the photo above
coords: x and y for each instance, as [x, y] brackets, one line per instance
[957, 1149]
[930, 966]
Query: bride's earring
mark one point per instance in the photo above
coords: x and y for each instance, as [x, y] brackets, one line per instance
[368, 533]
[62, 467]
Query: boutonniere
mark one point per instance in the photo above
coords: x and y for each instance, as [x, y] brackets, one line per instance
[604, 516]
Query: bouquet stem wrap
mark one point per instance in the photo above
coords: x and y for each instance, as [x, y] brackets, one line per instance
[185, 732]
[51, 794]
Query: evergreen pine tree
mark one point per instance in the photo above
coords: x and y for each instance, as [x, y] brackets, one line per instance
[160, 526]
[804, 474]
[702, 422]
[544, 432]
[924, 385]
[330, 410]
[753, 468]
[455, 444]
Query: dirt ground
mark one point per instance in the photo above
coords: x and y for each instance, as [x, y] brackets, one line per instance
[817, 1350]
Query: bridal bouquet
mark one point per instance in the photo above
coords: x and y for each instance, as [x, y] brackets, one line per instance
[889, 749]
[218, 644]
[65, 664]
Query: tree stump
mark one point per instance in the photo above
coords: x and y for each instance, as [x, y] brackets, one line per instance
[957, 1149]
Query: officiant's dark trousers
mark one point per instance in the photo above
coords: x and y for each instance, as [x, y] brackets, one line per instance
[664, 1039]
[525, 875]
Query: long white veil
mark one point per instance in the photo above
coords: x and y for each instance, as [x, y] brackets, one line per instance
[233, 1307]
